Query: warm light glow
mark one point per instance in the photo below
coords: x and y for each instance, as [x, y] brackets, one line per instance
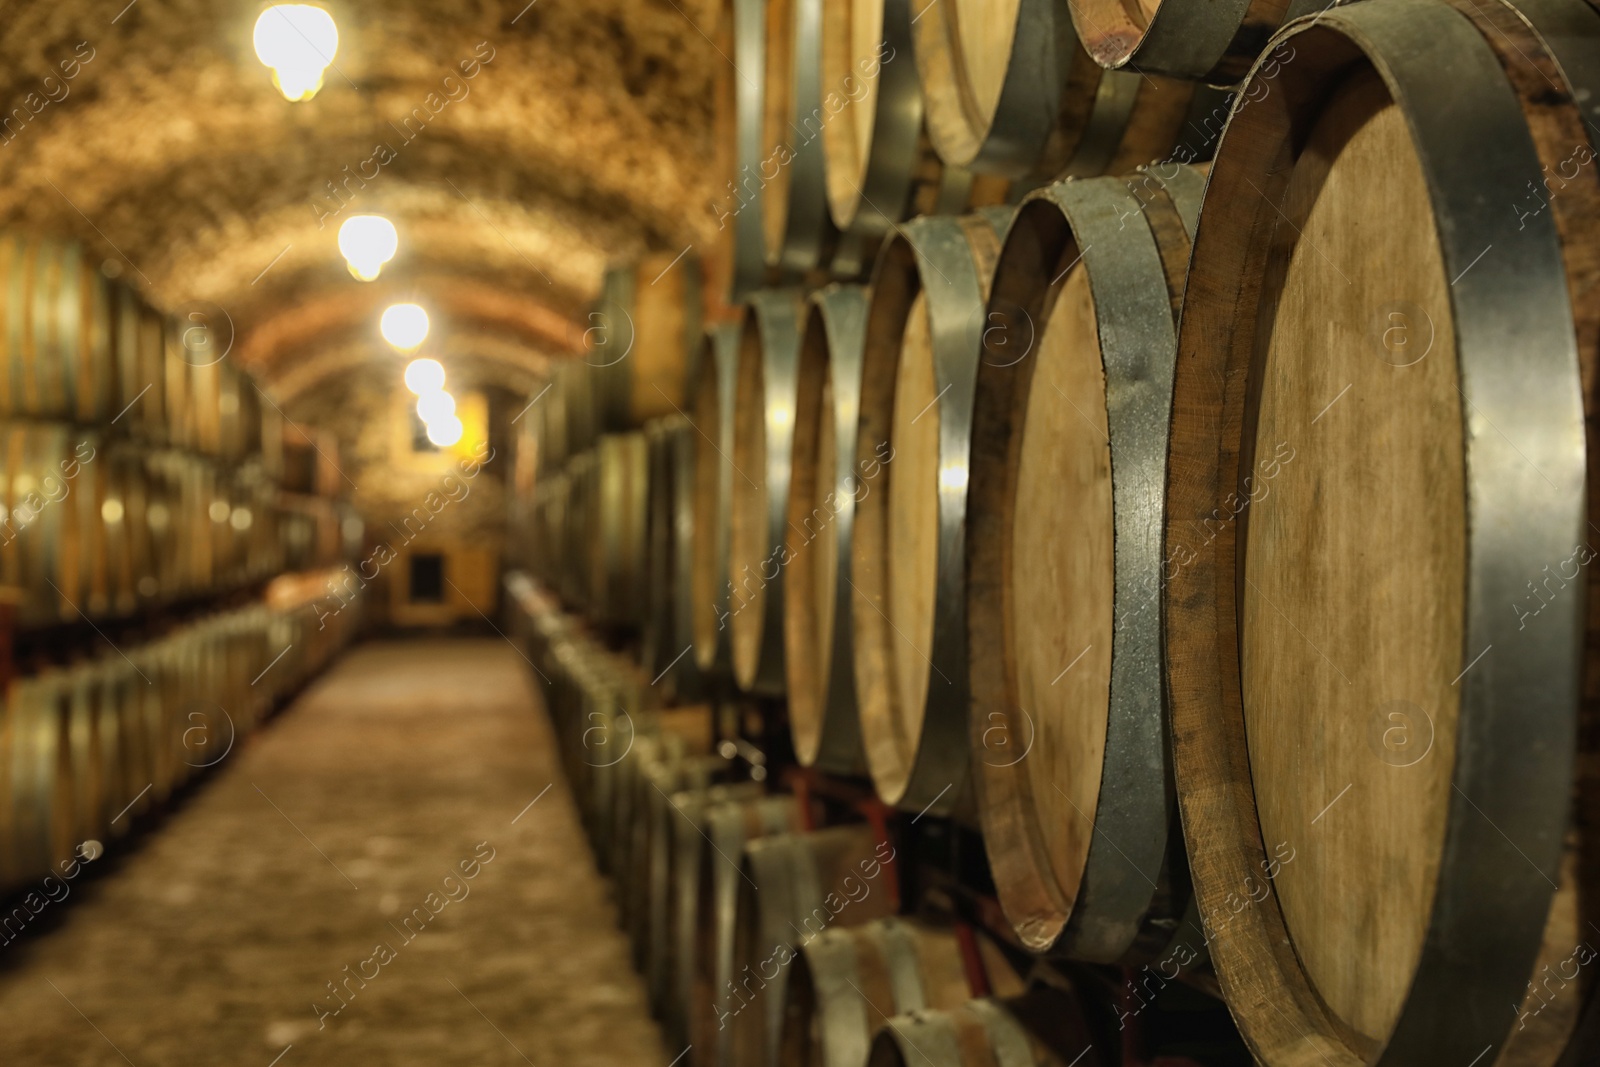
[298, 42]
[367, 242]
[424, 376]
[405, 326]
[436, 407]
[445, 432]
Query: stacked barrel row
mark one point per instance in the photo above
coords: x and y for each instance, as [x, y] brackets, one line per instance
[138, 465]
[93, 748]
[749, 925]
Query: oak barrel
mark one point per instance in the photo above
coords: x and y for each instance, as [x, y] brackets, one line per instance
[39, 813]
[617, 545]
[1375, 516]
[1044, 1027]
[1064, 565]
[924, 336]
[712, 419]
[847, 981]
[1008, 89]
[670, 639]
[56, 326]
[1214, 43]
[763, 431]
[818, 637]
[798, 232]
[52, 483]
[643, 336]
[739, 266]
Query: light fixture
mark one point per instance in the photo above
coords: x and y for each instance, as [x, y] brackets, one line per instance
[444, 432]
[436, 407]
[298, 41]
[424, 376]
[405, 326]
[367, 242]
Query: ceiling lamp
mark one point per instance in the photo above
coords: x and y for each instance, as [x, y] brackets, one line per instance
[436, 407]
[424, 376]
[444, 432]
[367, 242]
[298, 42]
[405, 326]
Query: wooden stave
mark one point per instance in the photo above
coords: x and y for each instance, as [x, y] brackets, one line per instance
[712, 418]
[1117, 913]
[832, 345]
[844, 977]
[934, 776]
[787, 881]
[728, 827]
[640, 357]
[1456, 957]
[768, 357]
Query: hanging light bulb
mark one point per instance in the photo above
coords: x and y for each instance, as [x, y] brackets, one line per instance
[424, 376]
[405, 326]
[436, 407]
[298, 41]
[367, 242]
[444, 432]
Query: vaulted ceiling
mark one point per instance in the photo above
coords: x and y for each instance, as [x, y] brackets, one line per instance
[582, 136]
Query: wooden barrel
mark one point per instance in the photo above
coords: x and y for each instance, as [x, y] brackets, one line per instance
[1376, 484]
[687, 842]
[1064, 558]
[139, 353]
[39, 815]
[716, 1001]
[656, 609]
[769, 348]
[1213, 43]
[580, 406]
[713, 423]
[643, 335]
[51, 537]
[616, 549]
[57, 332]
[1010, 90]
[650, 876]
[794, 886]
[1041, 1028]
[739, 265]
[818, 637]
[924, 336]
[798, 232]
[577, 583]
[847, 981]
[670, 637]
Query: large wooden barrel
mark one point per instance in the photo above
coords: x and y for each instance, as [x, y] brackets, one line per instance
[648, 881]
[1064, 564]
[1044, 1027]
[669, 640]
[656, 608]
[136, 333]
[792, 887]
[1375, 525]
[847, 981]
[924, 337]
[57, 332]
[39, 817]
[616, 548]
[1215, 43]
[687, 843]
[52, 484]
[818, 637]
[739, 266]
[758, 553]
[715, 1001]
[1008, 89]
[580, 406]
[713, 422]
[643, 337]
[798, 232]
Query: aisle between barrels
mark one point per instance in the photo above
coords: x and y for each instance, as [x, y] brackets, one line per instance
[390, 873]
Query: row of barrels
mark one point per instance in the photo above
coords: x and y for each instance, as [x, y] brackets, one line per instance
[762, 940]
[79, 347]
[97, 526]
[88, 750]
[1215, 540]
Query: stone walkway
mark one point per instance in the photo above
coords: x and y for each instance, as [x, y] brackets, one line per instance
[215, 942]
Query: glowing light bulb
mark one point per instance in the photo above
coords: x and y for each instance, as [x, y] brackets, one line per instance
[436, 407]
[298, 41]
[424, 376]
[444, 432]
[405, 326]
[367, 242]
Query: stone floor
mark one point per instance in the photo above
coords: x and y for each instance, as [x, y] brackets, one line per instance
[215, 940]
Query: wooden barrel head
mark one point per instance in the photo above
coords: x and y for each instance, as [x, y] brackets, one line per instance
[852, 36]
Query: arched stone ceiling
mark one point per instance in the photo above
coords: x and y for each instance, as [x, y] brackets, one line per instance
[584, 136]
